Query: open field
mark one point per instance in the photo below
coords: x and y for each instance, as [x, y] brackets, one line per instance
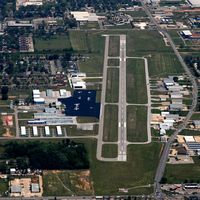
[136, 14]
[57, 42]
[144, 41]
[90, 25]
[110, 131]
[87, 41]
[3, 186]
[176, 37]
[93, 65]
[163, 64]
[73, 131]
[139, 170]
[196, 116]
[113, 62]
[136, 81]
[137, 123]
[110, 150]
[67, 183]
[189, 132]
[114, 43]
[112, 88]
[28, 115]
[182, 173]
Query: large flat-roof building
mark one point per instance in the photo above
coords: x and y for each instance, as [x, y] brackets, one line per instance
[194, 3]
[83, 16]
[20, 3]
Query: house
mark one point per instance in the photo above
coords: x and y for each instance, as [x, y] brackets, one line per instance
[168, 82]
[176, 107]
[35, 188]
[16, 189]
[196, 124]
[177, 101]
[176, 95]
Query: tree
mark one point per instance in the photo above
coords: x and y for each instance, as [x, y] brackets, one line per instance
[4, 93]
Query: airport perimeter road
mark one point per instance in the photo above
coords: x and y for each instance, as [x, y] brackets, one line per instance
[165, 153]
[122, 133]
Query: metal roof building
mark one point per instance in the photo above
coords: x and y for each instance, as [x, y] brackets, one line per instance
[47, 131]
[35, 187]
[16, 189]
[59, 130]
[35, 131]
[23, 131]
[194, 3]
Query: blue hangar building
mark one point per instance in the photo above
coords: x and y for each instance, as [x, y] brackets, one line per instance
[82, 103]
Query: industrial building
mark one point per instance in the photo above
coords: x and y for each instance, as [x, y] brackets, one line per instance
[35, 131]
[20, 3]
[47, 131]
[194, 3]
[23, 131]
[83, 16]
[59, 130]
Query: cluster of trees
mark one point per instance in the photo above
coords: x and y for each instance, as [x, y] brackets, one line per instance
[59, 9]
[52, 155]
[192, 61]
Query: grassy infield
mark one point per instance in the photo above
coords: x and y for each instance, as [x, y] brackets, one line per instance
[142, 159]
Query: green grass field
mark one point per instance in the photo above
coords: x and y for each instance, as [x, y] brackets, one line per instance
[113, 62]
[57, 42]
[90, 25]
[28, 115]
[144, 42]
[189, 132]
[176, 37]
[93, 65]
[87, 41]
[139, 169]
[163, 64]
[183, 173]
[3, 186]
[137, 123]
[136, 14]
[136, 82]
[110, 131]
[196, 116]
[114, 46]
[73, 131]
[112, 87]
[110, 150]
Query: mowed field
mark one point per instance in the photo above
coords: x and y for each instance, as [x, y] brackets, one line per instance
[57, 42]
[136, 81]
[136, 123]
[110, 130]
[114, 44]
[139, 169]
[112, 87]
[183, 173]
[144, 42]
[164, 64]
[110, 150]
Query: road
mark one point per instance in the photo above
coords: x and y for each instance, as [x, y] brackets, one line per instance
[122, 133]
[165, 153]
